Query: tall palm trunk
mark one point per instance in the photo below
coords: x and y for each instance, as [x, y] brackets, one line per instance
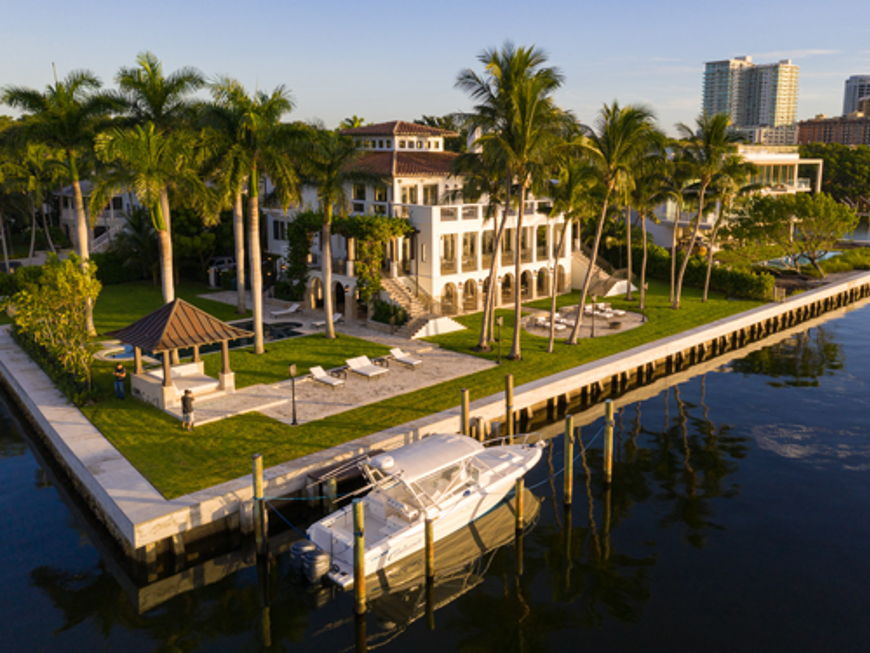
[326, 267]
[628, 251]
[555, 258]
[255, 257]
[486, 326]
[516, 347]
[587, 280]
[33, 228]
[678, 291]
[642, 304]
[3, 243]
[164, 239]
[239, 239]
[81, 236]
[47, 228]
[673, 286]
[713, 235]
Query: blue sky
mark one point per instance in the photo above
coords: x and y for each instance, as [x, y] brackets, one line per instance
[383, 59]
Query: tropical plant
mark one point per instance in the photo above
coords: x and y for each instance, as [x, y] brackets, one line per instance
[518, 119]
[675, 184]
[65, 117]
[326, 163]
[622, 136]
[265, 149]
[151, 96]
[706, 150]
[149, 161]
[647, 194]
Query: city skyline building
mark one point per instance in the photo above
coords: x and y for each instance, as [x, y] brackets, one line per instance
[856, 88]
[753, 95]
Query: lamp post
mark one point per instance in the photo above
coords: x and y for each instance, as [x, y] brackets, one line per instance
[291, 371]
[499, 322]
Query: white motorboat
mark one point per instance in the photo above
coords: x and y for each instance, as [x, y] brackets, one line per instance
[450, 479]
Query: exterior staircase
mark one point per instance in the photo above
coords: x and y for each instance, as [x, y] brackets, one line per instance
[420, 306]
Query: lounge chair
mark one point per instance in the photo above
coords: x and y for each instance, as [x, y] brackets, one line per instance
[364, 367]
[336, 317]
[320, 375]
[404, 357]
[293, 308]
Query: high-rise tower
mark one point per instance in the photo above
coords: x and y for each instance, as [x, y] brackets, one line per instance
[752, 95]
[857, 87]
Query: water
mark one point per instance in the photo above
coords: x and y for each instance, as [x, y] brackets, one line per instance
[739, 520]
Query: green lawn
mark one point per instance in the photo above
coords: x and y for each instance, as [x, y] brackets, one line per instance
[177, 462]
[121, 304]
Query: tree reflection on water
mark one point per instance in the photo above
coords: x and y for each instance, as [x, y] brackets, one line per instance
[796, 361]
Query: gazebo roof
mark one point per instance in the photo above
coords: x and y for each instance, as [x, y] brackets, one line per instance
[177, 324]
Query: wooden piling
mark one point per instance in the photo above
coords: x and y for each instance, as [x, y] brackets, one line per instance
[569, 460]
[509, 406]
[260, 518]
[518, 499]
[608, 441]
[429, 548]
[466, 419]
[359, 556]
[330, 493]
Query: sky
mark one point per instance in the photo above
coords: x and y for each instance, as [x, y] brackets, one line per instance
[386, 59]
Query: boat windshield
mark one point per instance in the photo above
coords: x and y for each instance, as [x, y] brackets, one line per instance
[443, 483]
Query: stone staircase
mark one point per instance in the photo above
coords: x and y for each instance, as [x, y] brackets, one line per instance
[404, 297]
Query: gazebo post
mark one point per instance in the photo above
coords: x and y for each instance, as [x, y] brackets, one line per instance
[227, 378]
[137, 360]
[167, 369]
[196, 357]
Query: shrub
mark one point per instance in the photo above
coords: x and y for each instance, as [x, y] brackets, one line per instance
[388, 313]
[113, 268]
[853, 259]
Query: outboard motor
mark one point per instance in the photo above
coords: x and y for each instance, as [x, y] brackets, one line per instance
[315, 564]
[298, 550]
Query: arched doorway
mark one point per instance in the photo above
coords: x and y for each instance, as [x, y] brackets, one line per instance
[315, 293]
[542, 282]
[469, 296]
[339, 301]
[507, 289]
[448, 300]
[526, 285]
[560, 279]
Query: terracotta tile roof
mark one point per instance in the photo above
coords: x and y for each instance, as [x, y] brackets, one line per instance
[408, 164]
[177, 324]
[397, 128]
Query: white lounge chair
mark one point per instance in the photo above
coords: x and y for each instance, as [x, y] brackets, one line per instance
[364, 367]
[293, 308]
[320, 375]
[336, 317]
[404, 357]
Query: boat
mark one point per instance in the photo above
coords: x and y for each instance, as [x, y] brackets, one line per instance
[449, 479]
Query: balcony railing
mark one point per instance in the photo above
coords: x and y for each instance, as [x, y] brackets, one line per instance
[448, 266]
[448, 213]
[469, 263]
[507, 257]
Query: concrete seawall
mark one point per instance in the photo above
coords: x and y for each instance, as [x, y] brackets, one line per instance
[145, 523]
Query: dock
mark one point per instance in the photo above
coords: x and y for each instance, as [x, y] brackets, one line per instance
[145, 524]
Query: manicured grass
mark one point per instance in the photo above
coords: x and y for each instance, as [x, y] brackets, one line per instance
[121, 304]
[178, 463]
[305, 351]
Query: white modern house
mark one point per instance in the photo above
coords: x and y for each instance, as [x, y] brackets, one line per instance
[106, 223]
[443, 267]
[777, 175]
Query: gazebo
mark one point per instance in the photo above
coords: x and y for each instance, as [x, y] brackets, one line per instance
[174, 326]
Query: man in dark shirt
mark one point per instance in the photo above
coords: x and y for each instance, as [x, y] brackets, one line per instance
[120, 374]
[187, 410]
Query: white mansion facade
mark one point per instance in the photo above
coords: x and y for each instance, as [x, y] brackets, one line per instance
[445, 263]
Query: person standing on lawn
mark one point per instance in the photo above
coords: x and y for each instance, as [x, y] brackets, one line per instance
[120, 374]
[187, 410]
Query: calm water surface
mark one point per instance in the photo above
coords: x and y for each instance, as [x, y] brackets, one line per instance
[739, 520]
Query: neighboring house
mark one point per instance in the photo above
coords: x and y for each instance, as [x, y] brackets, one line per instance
[105, 224]
[777, 174]
[443, 268]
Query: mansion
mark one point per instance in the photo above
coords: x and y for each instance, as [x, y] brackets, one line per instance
[443, 267]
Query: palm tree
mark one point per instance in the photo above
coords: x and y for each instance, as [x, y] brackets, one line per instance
[64, 117]
[150, 161]
[265, 150]
[621, 137]
[706, 151]
[647, 194]
[732, 182]
[572, 191]
[518, 118]
[229, 171]
[151, 96]
[676, 183]
[326, 163]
